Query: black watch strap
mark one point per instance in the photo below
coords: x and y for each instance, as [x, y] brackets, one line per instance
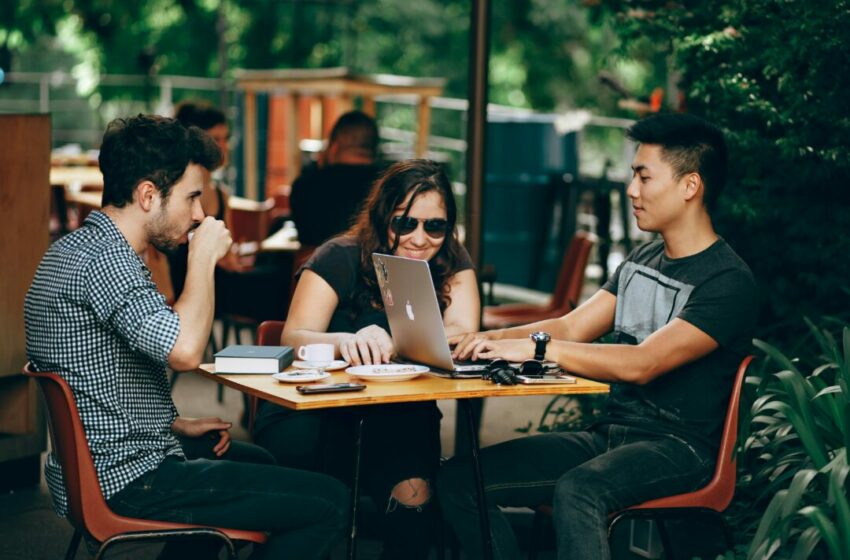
[541, 339]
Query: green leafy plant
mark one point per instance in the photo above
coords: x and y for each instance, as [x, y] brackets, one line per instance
[794, 460]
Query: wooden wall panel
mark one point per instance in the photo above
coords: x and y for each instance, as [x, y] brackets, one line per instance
[24, 215]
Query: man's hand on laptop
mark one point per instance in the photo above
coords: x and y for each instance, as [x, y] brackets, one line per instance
[464, 343]
[512, 350]
[368, 346]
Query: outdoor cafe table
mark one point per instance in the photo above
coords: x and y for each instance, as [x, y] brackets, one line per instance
[423, 388]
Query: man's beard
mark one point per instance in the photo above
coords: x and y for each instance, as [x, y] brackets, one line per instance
[162, 235]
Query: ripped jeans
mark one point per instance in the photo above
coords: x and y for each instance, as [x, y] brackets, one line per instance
[400, 442]
[585, 475]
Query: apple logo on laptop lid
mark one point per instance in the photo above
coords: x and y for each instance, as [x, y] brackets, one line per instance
[409, 308]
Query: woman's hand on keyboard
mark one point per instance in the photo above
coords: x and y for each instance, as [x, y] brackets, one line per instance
[369, 346]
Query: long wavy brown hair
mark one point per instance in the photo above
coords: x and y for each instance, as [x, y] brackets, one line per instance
[371, 228]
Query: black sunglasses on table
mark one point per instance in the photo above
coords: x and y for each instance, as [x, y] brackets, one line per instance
[404, 225]
[502, 372]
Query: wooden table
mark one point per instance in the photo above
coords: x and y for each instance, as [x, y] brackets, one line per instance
[281, 241]
[423, 388]
[92, 199]
[76, 176]
[66, 182]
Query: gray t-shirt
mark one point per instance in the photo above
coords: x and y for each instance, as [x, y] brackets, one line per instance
[713, 290]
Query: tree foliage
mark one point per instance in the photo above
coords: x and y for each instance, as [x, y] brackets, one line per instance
[775, 75]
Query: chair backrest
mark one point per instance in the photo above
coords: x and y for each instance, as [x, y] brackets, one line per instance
[86, 506]
[248, 220]
[268, 333]
[718, 493]
[567, 290]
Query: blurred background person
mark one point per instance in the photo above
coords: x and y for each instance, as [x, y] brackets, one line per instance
[327, 196]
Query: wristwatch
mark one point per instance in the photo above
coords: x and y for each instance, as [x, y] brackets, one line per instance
[541, 339]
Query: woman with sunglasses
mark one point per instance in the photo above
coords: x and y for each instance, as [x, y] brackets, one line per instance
[411, 213]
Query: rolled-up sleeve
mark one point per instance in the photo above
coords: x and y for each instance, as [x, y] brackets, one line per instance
[126, 300]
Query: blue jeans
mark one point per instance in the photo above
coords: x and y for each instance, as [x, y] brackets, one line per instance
[306, 513]
[585, 475]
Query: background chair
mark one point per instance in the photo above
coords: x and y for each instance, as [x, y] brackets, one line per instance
[709, 501]
[268, 334]
[88, 512]
[248, 222]
[565, 296]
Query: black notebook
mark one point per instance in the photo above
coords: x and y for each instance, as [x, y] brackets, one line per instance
[253, 359]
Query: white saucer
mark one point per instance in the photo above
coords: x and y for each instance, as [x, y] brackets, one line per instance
[301, 376]
[331, 366]
[387, 372]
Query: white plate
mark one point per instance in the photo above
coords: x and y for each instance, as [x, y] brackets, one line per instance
[387, 372]
[301, 376]
[334, 365]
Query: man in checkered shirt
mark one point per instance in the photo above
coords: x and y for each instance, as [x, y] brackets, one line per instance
[94, 316]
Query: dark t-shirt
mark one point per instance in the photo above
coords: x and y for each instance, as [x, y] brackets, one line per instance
[325, 200]
[713, 290]
[338, 263]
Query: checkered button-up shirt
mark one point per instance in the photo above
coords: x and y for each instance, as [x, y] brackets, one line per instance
[94, 316]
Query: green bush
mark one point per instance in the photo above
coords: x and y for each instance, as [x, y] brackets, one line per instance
[793, 465]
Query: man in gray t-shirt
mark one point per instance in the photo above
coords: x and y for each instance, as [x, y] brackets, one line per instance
[681, 311]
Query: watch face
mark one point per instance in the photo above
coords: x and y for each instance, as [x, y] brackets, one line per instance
[540, 336]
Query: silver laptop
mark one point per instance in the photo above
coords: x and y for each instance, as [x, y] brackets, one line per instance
[414, 315]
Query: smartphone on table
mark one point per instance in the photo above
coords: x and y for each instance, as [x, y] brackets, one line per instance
[329, 388]
[547, 378]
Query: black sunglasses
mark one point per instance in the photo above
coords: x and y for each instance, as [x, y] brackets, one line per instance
[404, 225]
[528, 367]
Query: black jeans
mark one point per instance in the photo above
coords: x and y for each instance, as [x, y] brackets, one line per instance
[585, 475]
[400, 442]
[306, 513]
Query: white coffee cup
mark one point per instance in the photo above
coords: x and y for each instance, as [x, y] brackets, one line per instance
[317, 354]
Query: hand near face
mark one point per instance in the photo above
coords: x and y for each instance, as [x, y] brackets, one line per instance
[369, 346]
[211, 239]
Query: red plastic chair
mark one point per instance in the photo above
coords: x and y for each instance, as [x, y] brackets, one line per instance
[88, 512]
[564, 299]
[710, 500]
[268, 334]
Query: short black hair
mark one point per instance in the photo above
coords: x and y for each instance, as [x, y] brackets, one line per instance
[689, 144]
[355, 130]
[199, 113]
[153, 148]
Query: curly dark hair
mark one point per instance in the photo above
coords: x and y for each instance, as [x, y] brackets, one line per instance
[415, 176]
[153, 148]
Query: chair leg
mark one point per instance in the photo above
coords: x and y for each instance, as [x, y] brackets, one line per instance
[165, 535]
[666, 543]
[537, 531]
[73, 545]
